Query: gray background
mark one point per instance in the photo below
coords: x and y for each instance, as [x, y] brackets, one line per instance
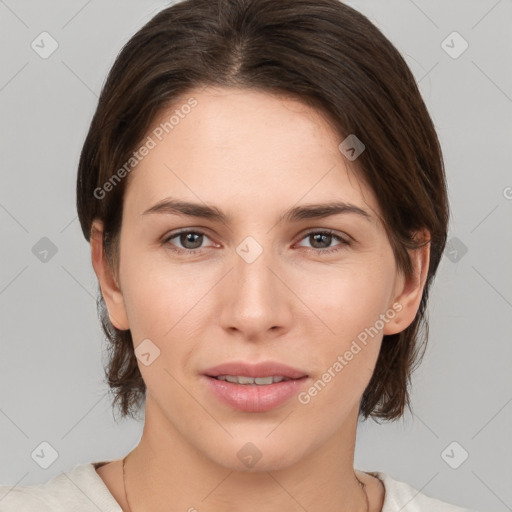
[52, 346]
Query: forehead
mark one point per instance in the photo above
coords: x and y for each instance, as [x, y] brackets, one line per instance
[244, 145]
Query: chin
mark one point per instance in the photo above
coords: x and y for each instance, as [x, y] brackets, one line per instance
[257, 455]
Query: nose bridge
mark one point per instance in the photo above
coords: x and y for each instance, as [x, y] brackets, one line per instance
[256, 303]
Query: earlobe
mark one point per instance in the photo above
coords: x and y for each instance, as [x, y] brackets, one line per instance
[409, 291]
[108, 282]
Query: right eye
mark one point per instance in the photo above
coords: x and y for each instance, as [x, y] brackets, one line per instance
[191, 241]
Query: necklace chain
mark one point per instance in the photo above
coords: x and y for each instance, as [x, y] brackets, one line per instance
[130, 510]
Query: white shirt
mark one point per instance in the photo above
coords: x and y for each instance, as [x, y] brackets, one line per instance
[83, 490]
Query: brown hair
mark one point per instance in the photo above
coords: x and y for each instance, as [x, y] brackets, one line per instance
[322, 52]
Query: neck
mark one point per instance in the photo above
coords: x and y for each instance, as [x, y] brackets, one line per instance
[164, 472]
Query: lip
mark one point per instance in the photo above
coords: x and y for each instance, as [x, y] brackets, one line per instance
[254, 398]
[263, 369]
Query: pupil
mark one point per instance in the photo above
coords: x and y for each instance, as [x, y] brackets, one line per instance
[187, 238]
[320, 236]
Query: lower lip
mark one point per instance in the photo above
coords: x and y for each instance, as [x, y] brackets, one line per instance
[254, 398]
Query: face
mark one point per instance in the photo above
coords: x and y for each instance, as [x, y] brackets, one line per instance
[277, 279]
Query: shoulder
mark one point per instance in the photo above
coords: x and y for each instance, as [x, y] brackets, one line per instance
[80, 490]
[400, 496]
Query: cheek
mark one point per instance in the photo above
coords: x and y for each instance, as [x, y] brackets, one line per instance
[169, 303]
[349, 303]
[350, 298]
[161, 302]
[163, 306]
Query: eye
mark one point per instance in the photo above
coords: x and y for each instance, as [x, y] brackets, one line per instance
[324, 238]
[191, 241]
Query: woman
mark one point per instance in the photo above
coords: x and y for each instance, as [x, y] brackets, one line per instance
[264, 195]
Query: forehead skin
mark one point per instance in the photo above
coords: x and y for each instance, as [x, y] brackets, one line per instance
[252, 152]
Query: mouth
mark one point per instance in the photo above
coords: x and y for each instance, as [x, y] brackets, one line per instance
[252, 381]
[250, 373]
[254, 387]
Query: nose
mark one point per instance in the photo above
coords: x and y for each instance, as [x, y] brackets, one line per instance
[256, 302]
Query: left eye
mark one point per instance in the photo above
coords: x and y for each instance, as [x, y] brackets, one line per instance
[325, 237]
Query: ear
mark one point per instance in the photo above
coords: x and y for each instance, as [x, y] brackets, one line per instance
[110, 289]
[408, 291]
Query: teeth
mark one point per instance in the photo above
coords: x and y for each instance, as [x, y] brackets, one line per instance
[245, 380]
[260, 381]
[263, 380]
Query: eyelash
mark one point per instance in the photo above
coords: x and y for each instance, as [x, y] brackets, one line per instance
[191, 252]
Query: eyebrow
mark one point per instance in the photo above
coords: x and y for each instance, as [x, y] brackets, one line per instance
[172, 206]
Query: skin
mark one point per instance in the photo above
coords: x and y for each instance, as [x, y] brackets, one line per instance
[253, 155]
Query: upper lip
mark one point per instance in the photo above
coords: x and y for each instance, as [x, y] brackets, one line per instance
[262, 369]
